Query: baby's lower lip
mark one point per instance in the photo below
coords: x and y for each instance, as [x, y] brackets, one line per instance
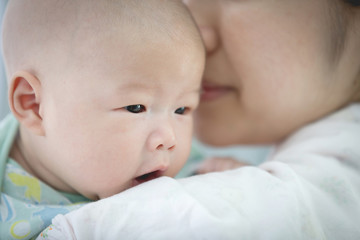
[134, 183]
[212, 92]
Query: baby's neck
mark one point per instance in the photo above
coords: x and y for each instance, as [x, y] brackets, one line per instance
[18, 154]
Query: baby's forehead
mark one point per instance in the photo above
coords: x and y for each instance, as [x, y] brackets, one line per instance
[53, 27]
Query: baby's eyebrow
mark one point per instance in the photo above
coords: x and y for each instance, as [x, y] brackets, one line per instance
[193, 92]
[132, 85]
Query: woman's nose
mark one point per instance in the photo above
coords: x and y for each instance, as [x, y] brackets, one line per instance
[162, 138]
[210, 38]
[205, 13]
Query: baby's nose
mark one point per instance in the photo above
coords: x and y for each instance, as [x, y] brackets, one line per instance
[162, 139]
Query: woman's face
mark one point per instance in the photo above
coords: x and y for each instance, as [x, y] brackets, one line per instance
[270, 68]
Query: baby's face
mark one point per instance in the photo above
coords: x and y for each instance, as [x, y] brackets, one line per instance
[121, 114]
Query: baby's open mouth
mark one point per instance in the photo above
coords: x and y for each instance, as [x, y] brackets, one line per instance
[147, 177]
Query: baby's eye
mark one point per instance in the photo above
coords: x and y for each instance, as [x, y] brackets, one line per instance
[181, 110]
[137, 108]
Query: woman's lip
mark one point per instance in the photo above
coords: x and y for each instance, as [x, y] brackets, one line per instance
[212, 91]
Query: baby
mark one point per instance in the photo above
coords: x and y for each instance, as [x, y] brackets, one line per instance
[102, 95]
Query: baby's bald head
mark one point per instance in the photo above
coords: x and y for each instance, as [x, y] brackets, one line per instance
[41, 35]
[75, 66]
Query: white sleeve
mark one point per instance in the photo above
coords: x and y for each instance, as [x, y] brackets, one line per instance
[247, 203]
[60, 229]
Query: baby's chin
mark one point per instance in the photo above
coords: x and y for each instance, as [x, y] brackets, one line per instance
[132, 183]
[106, 192]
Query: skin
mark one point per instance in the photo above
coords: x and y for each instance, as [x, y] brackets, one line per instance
[270, 68]
[77, 132]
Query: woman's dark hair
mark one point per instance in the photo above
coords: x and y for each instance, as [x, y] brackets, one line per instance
[354, 3]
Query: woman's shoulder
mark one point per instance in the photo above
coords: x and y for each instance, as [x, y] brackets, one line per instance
[337, 134]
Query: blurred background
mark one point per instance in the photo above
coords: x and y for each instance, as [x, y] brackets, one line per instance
[4, 109]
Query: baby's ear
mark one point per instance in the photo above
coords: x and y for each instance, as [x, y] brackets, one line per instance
[25, 99]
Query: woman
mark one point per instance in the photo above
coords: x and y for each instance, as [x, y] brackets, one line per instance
[271, 68]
